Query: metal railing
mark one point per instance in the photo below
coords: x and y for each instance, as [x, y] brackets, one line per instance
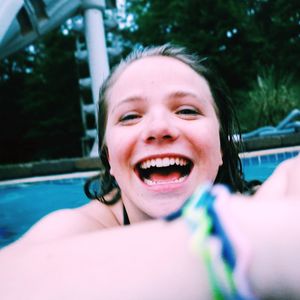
[287, 126]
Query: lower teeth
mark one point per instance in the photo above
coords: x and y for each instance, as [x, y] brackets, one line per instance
[150, 182]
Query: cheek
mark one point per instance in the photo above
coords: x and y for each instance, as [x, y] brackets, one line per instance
[112, 151]
[209, 143]
[116, 161]
[119, 145]
[212, 150]
[210, 158]
[215, 149]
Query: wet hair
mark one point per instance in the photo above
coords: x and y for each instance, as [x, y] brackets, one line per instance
[230, 173]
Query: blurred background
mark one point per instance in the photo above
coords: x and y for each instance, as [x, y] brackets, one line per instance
[253, 44]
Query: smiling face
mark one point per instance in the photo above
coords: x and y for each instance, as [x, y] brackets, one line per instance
[162, 135]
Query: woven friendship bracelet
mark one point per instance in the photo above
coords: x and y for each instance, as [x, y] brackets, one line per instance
[211, 242]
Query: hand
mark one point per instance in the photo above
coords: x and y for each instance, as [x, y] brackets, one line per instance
[283, 183]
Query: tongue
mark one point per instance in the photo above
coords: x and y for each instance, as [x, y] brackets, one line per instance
[169, 176]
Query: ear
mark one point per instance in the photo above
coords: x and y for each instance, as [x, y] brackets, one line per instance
[108, 160]
[105, 158]
[221, 157]
[106, 152]
[111, 171]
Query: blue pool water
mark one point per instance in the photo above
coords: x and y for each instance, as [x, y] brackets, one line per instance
[261, 167]
[22, 205]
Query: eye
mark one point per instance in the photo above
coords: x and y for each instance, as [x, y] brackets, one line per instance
[188, 112]
[129, 118]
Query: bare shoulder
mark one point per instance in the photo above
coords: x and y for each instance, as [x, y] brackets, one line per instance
[65, 223]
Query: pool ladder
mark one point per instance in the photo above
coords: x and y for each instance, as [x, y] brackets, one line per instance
[286, 126]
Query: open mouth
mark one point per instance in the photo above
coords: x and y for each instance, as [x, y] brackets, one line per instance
[164, 170]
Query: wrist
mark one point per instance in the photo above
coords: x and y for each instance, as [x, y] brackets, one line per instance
[212, 230]
[272, 230]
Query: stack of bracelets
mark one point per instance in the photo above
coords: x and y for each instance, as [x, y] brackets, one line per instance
[226, 267]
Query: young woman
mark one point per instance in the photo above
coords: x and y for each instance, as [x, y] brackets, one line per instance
[154, 260]
[165, 127]
[163, 115]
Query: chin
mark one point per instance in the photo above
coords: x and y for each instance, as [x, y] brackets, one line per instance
[164, 208]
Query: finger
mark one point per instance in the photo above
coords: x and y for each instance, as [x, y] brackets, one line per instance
[283, 180]
[293, 178]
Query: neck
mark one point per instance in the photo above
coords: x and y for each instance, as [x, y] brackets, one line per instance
[135, 215]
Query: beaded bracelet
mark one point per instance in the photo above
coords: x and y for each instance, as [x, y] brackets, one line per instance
[226, 270]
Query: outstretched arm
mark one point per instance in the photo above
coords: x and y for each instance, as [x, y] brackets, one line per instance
[147, 261]
[154, 261]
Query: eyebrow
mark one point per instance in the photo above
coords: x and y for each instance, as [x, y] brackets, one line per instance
[176, 94]
[182, 94]
[128, 100]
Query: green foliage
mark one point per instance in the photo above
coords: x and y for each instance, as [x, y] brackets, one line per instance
[239, 38]
[40, 113]
[39, 97]
[272, 96]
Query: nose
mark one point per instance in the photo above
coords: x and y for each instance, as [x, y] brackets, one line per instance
[160, 127]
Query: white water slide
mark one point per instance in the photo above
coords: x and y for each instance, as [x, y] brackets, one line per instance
[24, 21]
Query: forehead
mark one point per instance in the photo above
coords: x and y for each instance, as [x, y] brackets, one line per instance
[158, 74]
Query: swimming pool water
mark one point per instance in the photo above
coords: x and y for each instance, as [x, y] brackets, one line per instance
[22, 205]
[260, 167]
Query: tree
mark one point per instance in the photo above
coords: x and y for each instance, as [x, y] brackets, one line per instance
[39, 95]
[43, 99]
[240, 38]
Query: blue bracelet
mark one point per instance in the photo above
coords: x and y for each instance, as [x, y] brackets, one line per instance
[199, 211]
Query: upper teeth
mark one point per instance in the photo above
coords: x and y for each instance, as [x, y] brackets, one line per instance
[163, 162]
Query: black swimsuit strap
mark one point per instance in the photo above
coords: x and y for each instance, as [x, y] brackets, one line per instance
[125, 216]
